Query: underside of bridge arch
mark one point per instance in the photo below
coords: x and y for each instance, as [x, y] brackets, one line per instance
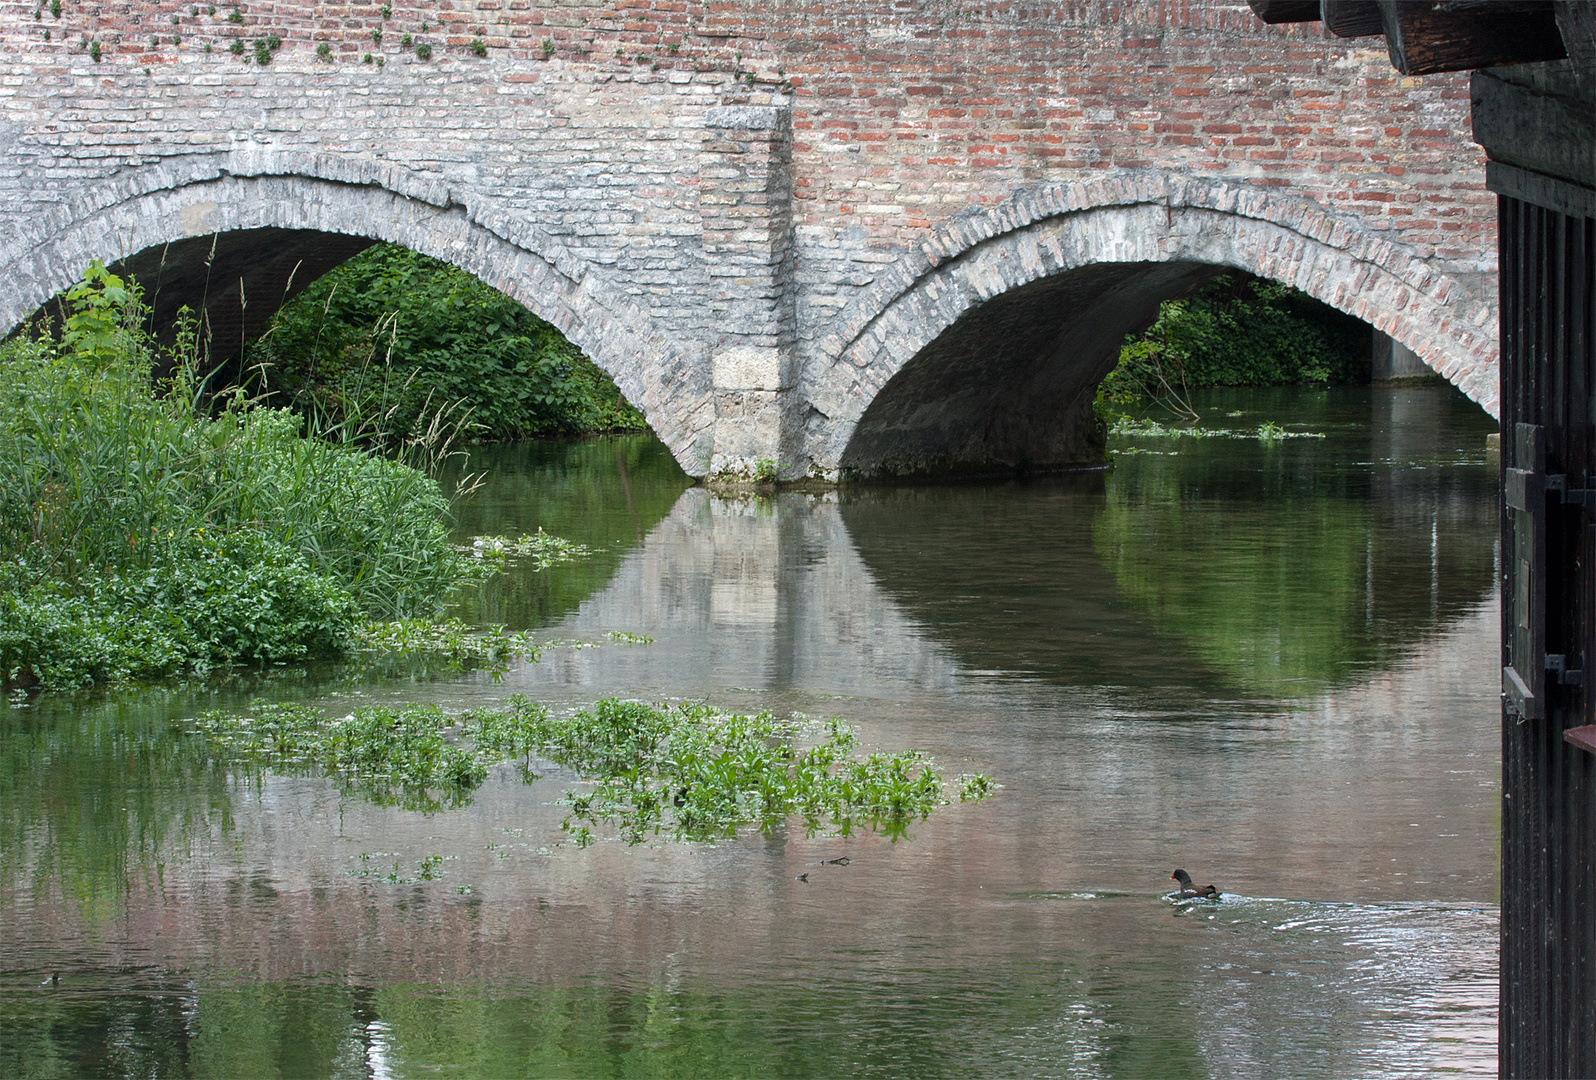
[1009, 387]
[234, 281]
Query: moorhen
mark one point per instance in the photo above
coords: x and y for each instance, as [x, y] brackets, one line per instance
[1188, 892]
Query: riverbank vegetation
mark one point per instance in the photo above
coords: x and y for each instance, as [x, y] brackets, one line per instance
[1238, 330]
[685, 772]
[150, 528]
[396, 335]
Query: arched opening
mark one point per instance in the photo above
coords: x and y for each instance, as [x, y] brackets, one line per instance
[1009, 386]
[238, 246]
[980, 350]
[349, 331]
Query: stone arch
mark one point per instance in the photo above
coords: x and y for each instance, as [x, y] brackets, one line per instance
[174, 202]
[1112, 249]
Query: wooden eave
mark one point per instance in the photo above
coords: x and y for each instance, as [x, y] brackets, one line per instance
[1428, 37]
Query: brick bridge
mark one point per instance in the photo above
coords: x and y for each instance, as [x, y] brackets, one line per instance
[846, 236]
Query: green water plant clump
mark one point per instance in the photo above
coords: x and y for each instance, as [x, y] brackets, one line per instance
[1142, 427]
[148, 529]
[409, 757]
[691, 772]
[540, 549]
[684, 772]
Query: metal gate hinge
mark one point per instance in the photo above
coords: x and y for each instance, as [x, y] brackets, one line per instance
[1567, 676]
[1558, 482]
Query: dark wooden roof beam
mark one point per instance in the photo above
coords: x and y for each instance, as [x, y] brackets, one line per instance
[1352, 18]
[1285, 11]
[1425, 37]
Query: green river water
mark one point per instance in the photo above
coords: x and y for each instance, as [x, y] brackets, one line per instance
[1272, 664]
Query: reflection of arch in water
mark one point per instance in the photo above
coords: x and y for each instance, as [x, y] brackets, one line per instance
[1198, 569]
[983, 345]
[262, 219]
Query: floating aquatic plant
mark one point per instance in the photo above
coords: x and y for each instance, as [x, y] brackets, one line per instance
[690, 772]
[450, 640]
[684, 772]
[1151, 429]
[541, 548]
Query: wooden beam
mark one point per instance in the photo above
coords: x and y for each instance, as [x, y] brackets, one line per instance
[1582, 737]
[1577, 23]
[1285, 11]
[1352, 18]
[1427, 38]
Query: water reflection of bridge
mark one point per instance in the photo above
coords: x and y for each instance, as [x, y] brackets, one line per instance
[1253, 572]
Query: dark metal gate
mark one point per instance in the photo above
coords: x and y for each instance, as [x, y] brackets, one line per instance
[1548, 995]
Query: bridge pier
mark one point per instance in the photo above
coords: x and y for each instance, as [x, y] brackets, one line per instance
[745, 205]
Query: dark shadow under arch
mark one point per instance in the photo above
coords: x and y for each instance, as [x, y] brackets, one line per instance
[236, 280]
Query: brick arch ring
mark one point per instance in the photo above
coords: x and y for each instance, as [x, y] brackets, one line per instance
[1146, 216]
[166, 203]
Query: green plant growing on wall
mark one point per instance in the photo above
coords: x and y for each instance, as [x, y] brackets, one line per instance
[263, 52]
[376, 36]
[478, 47]
[235, 16]
[94, 51]
[237, 47]
[548, 47]
[324, 51]
[423, 52]
[55, 9]
[405, 41]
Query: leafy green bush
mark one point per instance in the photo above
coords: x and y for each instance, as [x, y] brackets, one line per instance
[395, 334]
[1237, 331]
[144, 534]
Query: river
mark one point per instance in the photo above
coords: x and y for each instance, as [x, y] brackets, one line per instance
[1271, 663]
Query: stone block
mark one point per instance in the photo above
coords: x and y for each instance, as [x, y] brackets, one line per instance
[746, 367]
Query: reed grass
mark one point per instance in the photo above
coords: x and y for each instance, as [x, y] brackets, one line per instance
[155, 529]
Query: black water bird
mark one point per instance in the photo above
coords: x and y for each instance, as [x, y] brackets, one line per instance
[1188, 892]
